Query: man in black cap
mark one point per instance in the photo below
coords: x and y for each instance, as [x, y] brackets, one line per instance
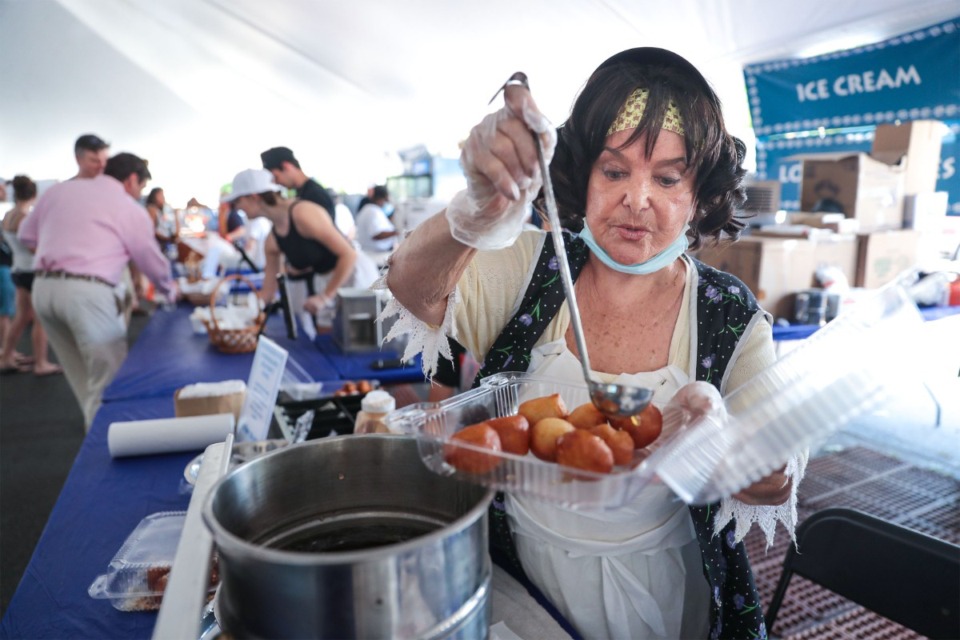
[91, 153]
[286, 171]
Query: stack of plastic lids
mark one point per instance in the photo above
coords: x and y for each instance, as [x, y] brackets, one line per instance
[837, 374]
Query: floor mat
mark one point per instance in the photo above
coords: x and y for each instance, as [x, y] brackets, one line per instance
[874, 483]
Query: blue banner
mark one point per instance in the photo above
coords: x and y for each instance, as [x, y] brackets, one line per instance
[774, 163]
[911, 77]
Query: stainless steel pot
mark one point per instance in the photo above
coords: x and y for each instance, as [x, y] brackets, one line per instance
[350, 537]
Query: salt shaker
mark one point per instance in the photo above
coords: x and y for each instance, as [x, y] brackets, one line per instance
[374, 408]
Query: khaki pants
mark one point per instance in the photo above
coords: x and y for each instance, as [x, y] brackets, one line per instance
[86, 328]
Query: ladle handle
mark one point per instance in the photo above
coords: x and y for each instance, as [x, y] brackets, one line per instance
[558, 245]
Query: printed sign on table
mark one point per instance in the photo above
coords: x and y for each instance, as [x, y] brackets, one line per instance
[269, 363]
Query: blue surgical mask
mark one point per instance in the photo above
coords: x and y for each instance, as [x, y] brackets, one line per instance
[387, 208]
[673, 251]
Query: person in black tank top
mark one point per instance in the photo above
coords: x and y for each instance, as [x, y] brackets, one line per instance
[303, 235]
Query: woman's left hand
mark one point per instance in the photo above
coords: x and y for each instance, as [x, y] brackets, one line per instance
[696, 400]
[773, 489]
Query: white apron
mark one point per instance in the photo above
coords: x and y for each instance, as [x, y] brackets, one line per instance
[632, 572]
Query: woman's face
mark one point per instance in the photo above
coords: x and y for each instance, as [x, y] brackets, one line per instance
[637, 206]
[250, 204]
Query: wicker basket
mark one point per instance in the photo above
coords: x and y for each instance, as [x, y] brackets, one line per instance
[234, 340]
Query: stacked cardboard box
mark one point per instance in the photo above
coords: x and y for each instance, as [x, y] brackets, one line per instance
[884, 255]
[776, 268]
[917, 144]
[860, 198]
[904, 161]
[856, 185]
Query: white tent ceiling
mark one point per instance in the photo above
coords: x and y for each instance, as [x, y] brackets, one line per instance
[200, 87]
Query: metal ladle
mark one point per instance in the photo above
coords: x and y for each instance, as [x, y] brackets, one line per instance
[613, 400]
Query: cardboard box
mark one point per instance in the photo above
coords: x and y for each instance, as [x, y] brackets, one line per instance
[792, 231]
[775, 268]
[856, 185]
[924, 211]
[921, 142]
[836, 222]
[208, 405]
[884, 255]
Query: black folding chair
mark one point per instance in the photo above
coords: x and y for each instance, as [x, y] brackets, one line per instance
[901, 574]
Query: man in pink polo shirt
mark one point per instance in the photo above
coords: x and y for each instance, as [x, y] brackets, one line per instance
[85, 231]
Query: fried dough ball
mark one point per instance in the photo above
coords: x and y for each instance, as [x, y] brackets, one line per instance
[537, 409]
[586, 416]
[644, 428]
[620, 442]
[581, 449]
[544, 436]
[480, 435]
[514, 432]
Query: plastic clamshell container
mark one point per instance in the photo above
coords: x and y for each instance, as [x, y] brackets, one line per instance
[501, 395]
[144, 558]
[839, 373]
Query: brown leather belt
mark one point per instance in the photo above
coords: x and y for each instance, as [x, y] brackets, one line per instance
[64, 275]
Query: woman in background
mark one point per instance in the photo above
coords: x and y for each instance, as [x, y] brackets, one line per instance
[304, 237]
[165, 220]
[24, 194]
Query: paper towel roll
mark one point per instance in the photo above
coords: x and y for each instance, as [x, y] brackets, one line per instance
[168, 435]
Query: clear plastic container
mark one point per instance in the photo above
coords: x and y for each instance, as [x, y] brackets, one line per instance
[501, 395]
[137, 574]
[837, 374]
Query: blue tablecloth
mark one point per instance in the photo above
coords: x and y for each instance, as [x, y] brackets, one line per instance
[357, 366]
[102, 501]
[801, 331]
[168, 355]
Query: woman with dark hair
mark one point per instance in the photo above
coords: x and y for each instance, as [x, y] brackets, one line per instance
[304, 237]
[24, 195]
[164, 218]
[643, 169]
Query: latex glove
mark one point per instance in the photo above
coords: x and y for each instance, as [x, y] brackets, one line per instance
[692, 402]
[500, 162]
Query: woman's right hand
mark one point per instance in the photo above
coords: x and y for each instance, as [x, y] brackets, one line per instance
[316, 303]
[501, 165]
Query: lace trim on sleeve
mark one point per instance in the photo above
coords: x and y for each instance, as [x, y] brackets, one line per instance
[765, 516]
[423, 338]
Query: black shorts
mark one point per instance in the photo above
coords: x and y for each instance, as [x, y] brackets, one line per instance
[23, 280]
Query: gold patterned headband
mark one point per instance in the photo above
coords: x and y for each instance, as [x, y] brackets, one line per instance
[632, 111]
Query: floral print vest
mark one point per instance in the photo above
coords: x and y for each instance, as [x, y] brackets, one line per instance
[724, 308]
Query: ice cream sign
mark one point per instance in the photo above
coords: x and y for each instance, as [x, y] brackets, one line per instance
[856, 83]
[915, 76]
